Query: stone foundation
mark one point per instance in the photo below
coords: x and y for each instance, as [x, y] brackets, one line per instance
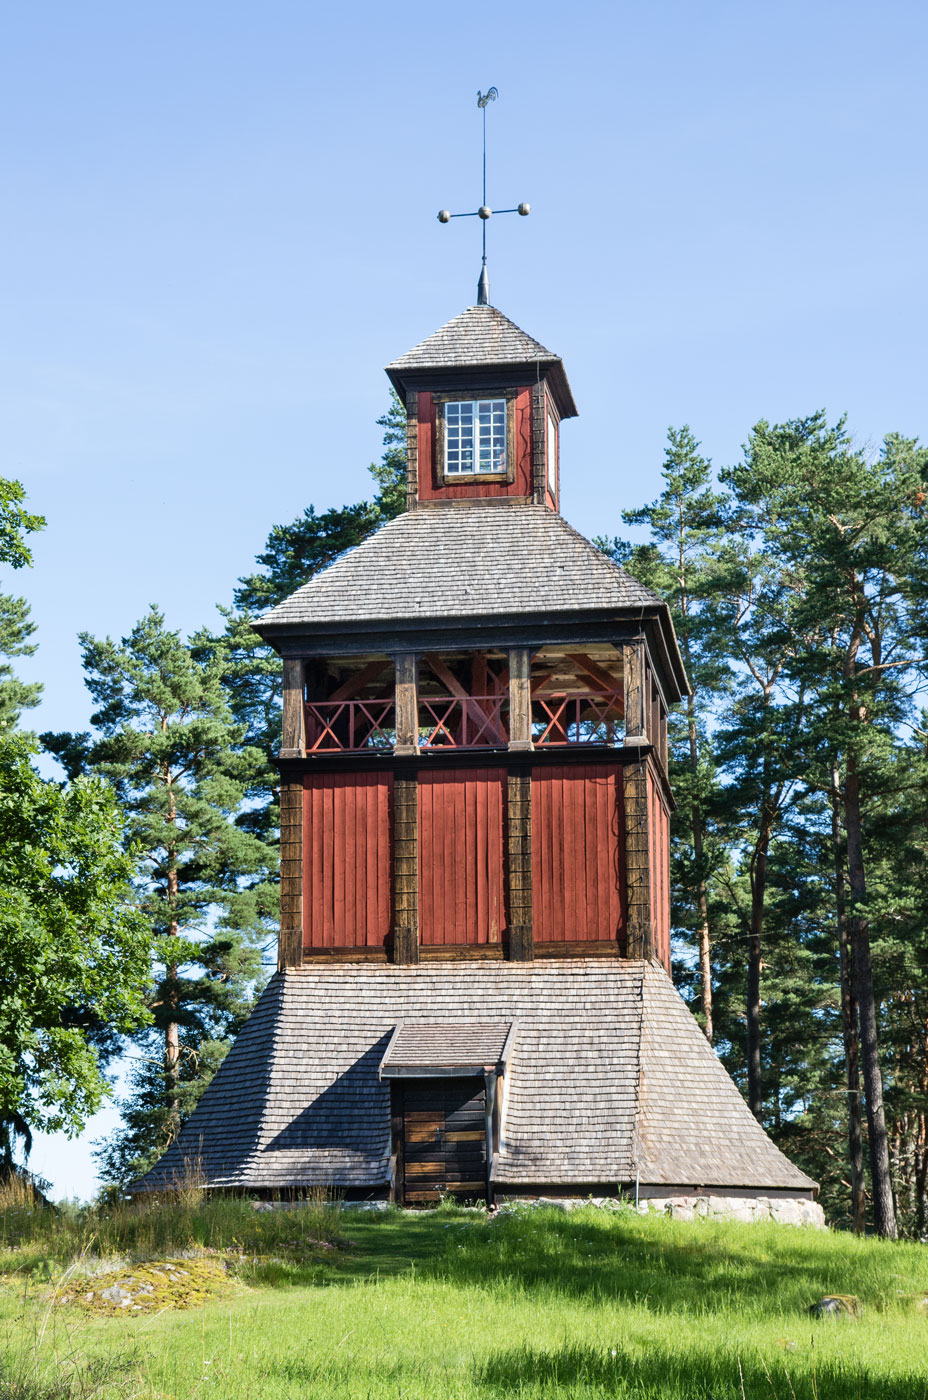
[785, 1210]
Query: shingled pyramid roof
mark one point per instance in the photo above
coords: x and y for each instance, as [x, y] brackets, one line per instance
[610, 1077]
[464, 559]
[479, 338]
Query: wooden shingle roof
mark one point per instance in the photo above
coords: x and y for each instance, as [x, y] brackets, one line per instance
[463, 559]
[609, 1076]
[458, 1047]
[480, 338]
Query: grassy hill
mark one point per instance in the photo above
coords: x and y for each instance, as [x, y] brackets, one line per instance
[214, 1299]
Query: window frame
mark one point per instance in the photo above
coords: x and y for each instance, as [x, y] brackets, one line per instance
[552, 465]
[468, 478]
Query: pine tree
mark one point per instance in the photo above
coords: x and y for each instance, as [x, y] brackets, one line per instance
[167, 743]
[681, 562]
[16, 628]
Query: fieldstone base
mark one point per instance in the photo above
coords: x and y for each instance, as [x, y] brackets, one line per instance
[784, 1210]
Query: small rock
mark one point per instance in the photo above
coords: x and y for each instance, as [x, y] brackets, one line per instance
[115, 1295]
[836, 1305]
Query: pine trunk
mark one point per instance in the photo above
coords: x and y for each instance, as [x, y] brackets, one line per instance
[884, 1212]
[755, 963]
[848, 1021]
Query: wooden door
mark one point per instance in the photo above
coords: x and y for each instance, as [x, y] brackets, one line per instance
[444, 1149]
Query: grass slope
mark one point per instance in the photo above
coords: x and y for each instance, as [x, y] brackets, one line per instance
[453, 1306]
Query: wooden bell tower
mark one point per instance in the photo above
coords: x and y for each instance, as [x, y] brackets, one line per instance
[474, 754]
[472, 994]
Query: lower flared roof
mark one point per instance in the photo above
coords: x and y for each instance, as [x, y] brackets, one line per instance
[609, 1079]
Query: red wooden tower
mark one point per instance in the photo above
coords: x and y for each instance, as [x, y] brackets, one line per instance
[473, 990]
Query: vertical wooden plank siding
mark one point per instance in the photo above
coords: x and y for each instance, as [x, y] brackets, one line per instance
[461, 893]
[659, 871]
[290, 943]
[346, 860]
[578, 853]
[430, 484]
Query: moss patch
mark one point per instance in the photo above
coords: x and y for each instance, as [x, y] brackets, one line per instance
[152, 1286]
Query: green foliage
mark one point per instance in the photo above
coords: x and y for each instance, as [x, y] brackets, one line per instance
[73, 951]
[799, 597]
[184, 776]
[15, 523]
[16, 628]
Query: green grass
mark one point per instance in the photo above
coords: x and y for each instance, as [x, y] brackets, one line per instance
[453, 1306]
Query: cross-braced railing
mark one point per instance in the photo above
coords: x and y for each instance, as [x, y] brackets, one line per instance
[589, 718]
[339, 725]
[462, 722]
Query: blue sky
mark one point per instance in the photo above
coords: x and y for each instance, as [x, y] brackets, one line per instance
[220, 224]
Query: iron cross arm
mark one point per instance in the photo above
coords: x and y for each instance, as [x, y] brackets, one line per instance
[444, 216]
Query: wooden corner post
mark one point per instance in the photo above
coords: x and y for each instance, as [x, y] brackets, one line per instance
[292, 739]
[519, 865]
[520, 699]
[290, 942]
[637, 824]
[406, 815]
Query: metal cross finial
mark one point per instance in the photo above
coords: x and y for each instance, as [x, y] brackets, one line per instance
[484, 212]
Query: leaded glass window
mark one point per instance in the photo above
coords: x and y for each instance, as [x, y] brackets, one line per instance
[475, 436]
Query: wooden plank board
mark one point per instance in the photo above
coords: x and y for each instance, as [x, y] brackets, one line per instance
[346, 871]
[578, 853]
[461, 865]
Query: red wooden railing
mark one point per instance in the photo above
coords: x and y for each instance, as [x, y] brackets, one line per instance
[588, 718]
[336, 725]
[474, 721]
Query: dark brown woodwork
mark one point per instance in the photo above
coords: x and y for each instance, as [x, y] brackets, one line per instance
[539, 464]
[412, 450]
[520, 699]
[398, 1188]
[603, 679]
[406, 870]
[351, 688]
[444, 1139]
[443, 673]
[290, 945]
[292, 737]
[634, 672]
[638, 862]
[407, 705]
[519, 866]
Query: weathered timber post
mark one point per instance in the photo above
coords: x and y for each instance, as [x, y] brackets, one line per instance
[406, 815]
[637, 823]
[290, 941]
[519, 810]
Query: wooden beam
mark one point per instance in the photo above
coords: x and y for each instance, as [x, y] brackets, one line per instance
[519, 866]
[407, 704]
[290, 942]
[605, 682]
[445, 675]
[636, 693]
[292, 736]
[640, 938]
[520, 699]
[406, 870]
[351, 688]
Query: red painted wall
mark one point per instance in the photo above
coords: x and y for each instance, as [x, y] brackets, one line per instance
[346, 860]
[659, 828]
[461, 888]
[431, 487]
[578, 853]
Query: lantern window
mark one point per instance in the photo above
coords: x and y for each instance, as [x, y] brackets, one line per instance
[475, 437]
